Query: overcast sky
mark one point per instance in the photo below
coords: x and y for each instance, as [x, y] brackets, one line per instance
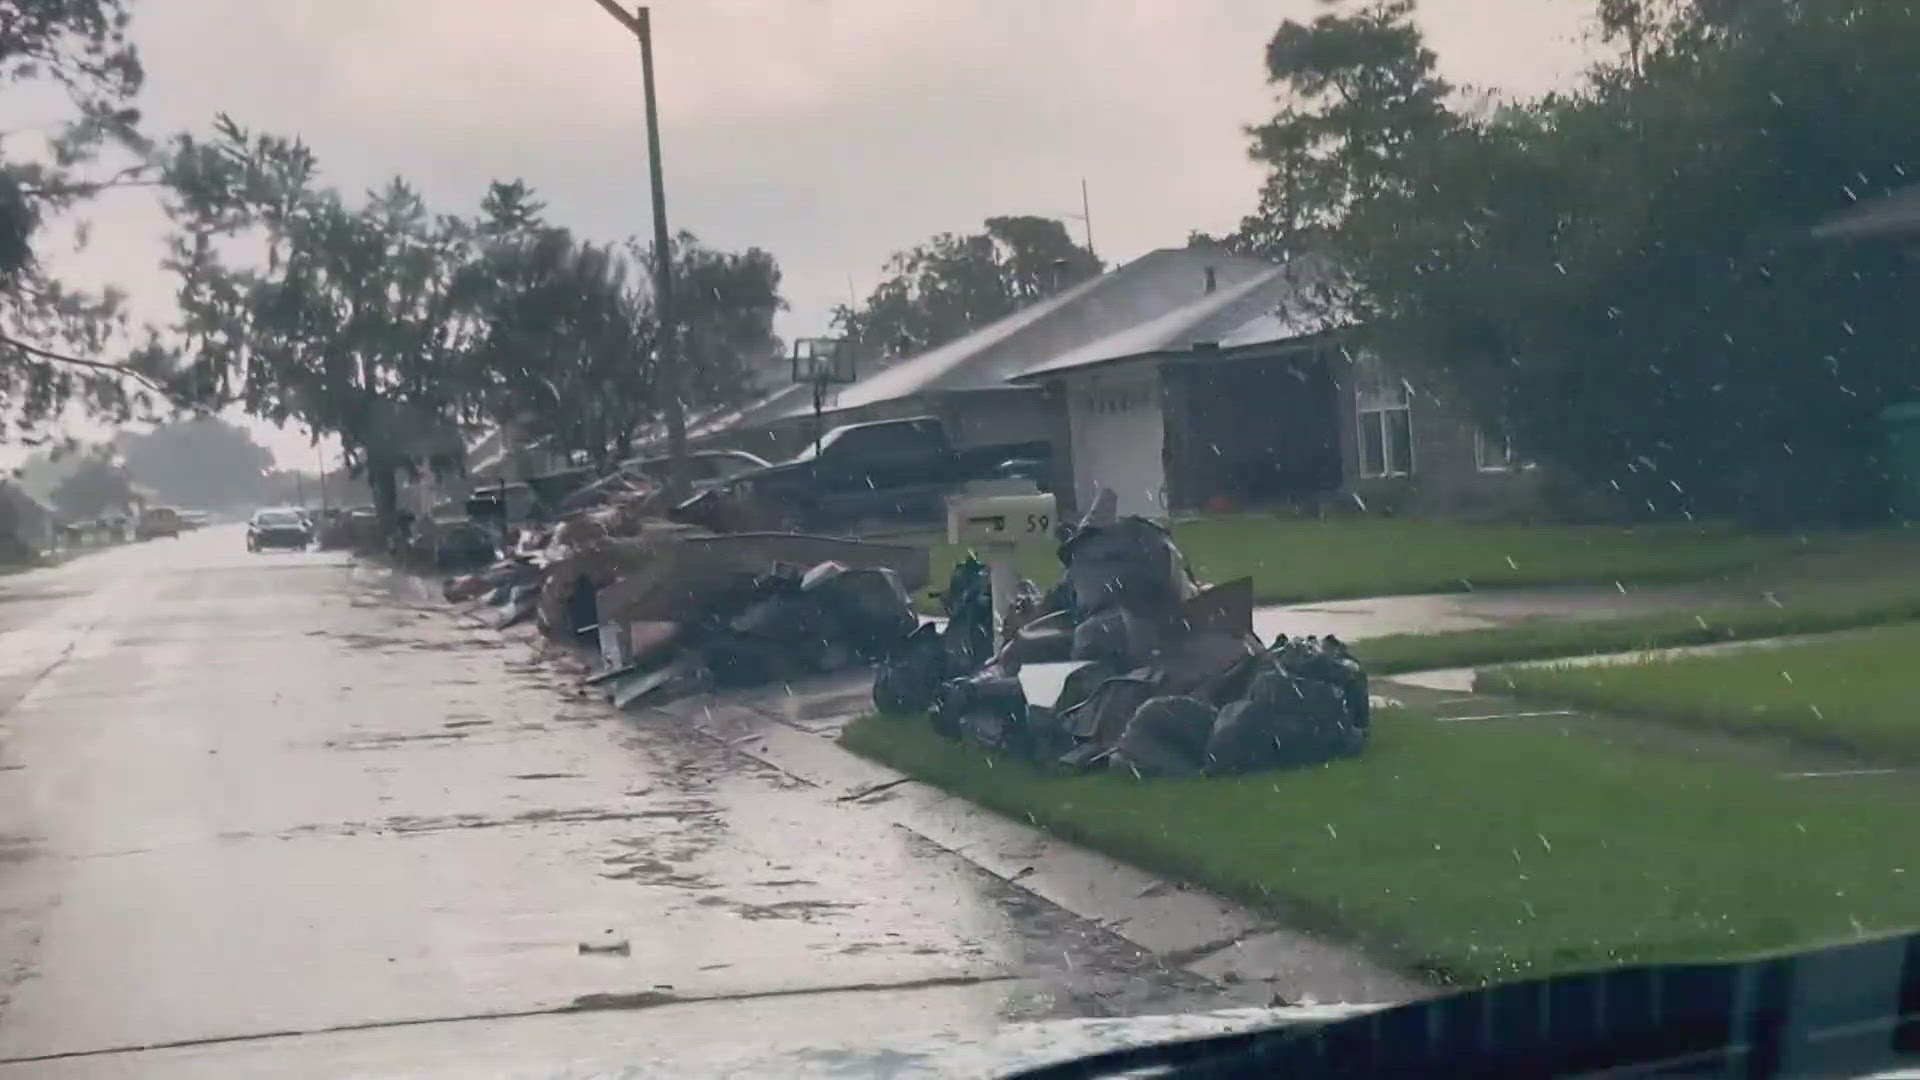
[830, 132]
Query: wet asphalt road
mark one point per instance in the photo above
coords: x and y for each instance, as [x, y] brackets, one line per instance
[275, 815]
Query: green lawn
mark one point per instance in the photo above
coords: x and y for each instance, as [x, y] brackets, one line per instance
[1896, 599]
[1854, 691]
[1293, 559]
[1488, 852]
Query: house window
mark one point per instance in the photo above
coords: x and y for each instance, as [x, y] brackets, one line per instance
[1385, 410]
[1492, 453]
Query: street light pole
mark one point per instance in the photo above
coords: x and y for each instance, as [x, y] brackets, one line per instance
[666, 345]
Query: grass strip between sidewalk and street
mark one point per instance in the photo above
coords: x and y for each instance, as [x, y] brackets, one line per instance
[1298, 559]
[1486, 851]
[1853, 691]
[1896, 601]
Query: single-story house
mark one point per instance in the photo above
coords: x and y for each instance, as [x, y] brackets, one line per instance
[1188, 379]
[966, 381]
[1273, 411]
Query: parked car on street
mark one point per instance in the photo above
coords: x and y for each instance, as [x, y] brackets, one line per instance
[156, 521]
[282, 528]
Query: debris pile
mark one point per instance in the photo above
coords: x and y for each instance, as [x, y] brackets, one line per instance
[1163, 676]
[676, 607]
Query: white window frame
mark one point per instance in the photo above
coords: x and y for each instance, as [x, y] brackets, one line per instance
[1487, 462]
[1376, 394]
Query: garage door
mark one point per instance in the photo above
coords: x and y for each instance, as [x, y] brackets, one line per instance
[1118, 440]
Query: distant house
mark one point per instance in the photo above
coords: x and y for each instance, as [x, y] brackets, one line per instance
[26, 523]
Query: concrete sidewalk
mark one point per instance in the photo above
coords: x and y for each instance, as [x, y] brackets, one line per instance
[1788, 758]
[1380, 616]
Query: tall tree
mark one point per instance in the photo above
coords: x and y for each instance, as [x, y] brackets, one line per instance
[347, 317]
[1626, 274]
[952, 284]
[202, 461]
[726, 302]
[562, 337]
[561, 344]
[55, 339]
[1359, 97]
[97, 485]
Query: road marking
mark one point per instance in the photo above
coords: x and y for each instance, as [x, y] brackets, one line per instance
[1502, 716]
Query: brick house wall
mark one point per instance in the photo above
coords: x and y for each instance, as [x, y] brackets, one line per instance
[1451, 473]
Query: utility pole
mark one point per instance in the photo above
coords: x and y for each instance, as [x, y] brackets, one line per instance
[1086, 215]
[640, 24]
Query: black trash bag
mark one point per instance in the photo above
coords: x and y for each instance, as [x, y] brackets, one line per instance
[988, 710]
[1102, 638]
[1250, 736]
[1132, 563]
[909, 678]
[1047, 734]
[1103, 716]
[1329, 660]
[583, 607]
[1046, 640]
[798, 628]
[1285, 722]
[1080, 684]
[736, 660]
[1166, 737]
[969, 605]
[871, 608]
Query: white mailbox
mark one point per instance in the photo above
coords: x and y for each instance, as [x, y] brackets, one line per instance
[1000, 519]
[999, 522]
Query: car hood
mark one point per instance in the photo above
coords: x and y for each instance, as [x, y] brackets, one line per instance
[785, 468]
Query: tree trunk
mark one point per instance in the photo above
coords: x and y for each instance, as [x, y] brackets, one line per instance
[386, 494]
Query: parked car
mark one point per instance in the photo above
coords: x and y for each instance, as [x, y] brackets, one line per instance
[897, 470]
[705, 468]
[156, 521]
[280, 528]
[194, 519]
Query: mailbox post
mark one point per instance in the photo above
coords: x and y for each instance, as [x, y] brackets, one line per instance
[997, 522]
